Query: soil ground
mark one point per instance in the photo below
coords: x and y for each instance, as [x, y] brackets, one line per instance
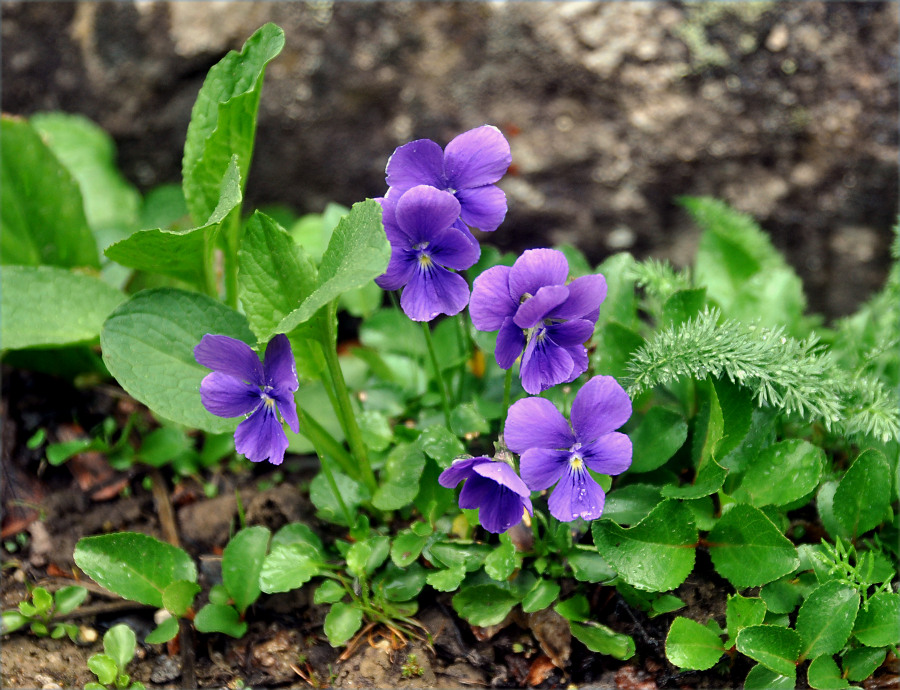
[285, 645]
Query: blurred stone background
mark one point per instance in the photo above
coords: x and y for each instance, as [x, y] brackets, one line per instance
[786, 110]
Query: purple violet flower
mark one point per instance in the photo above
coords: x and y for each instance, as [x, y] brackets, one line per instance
[492, 486]
[425, 243]
[467, 168]
[242, 385]
[553, 452]
[535, 311]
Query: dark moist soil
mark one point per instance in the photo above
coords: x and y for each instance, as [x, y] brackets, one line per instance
[46, 510]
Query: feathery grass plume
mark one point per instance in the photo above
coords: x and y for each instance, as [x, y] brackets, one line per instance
[783, 372]
[796, 376]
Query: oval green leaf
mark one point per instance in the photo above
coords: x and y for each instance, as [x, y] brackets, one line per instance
[879, 626]
[47, 305]
[603, 640]
[773, 646]
[748, 549]
[219, 618]
[163, 632]
[659, 435]
[761, 678]
[826, 618]
[690, 645]
[823, 674]
[341, 623]
[484, 605]
[242, 563]
[178, 597]
[862, 498]
[134, 566]
[657, 554]
[148, 345]
[119, 643]
[104, 667]
[782, 473]
[287, 567]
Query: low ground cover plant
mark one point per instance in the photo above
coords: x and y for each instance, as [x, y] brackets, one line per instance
[515, 430]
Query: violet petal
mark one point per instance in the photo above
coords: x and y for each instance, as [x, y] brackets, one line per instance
[510, 342]
[459, 470]
[502, 511]
[601, 406]
[225, 396]
[424, 211]
[536, 268]
[280, 368]
[482, 207]
[491, 304]
[541, 468]
[230, 356]
[415, 163]
[399, 271]
[261, 436]
[586, 294]
[544, 365]
[570, 333]
[452, 248]
[576, 496]
[478, 157]
[434, 291]
[534, 309]
[503, 474]
[609, 454]
[536, 423]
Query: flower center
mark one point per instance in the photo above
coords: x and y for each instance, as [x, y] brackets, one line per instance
[425, 260]
[268, 401]
[576, 462]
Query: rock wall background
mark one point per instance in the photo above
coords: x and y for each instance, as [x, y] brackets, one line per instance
[786, 110]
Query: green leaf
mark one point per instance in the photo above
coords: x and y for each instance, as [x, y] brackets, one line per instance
[761, 678]
[774, 647]
[683, 305]
[825, 619]
[275, 275]
[861, 663]
[42, 217]
[119, 644]
[163, 632]
[620, 304]
[298, 533]
[134, 566]
[667, 603]
[12, 621]
[742, 612]
[406, 547]
[539, 597]
[400, 584]
[341, 623]
[782, 473]
[575, 609]
[313, 230]
[657, 438]
[148, 345]
[862, 498]
[242, 563]
[364, 557]
[163, 445]
[399, 479]
[352, 492]
[741, 269]
[466, 419]
[47, 305]
[446, 580]
[502, 561]
[104, 667]
[441, 445]
[782, 596]
[631, 504]
[223, 119]
[589, 566]
[42, 600]
[219, 618]
[879, 626]
[287, 567]
[358, 253]
[111, 203]
[748, 549]
[470, 555]
[657, 554]
[690, 645]
[178, 596]
[603, 640]
[484, 605]
[823, 674]
[328, 592]
[391, 331]
[181, 253]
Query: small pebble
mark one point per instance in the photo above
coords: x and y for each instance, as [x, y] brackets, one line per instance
[165, 670]
[87, 634]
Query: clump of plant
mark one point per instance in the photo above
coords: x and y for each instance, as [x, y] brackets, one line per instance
[110, 667]
[39, 613]
[504, 422]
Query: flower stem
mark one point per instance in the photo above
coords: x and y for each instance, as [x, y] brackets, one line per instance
[445, 402]
[344, 409]
[507, 385]
[329, 477]
[462, 334]
[325, 443]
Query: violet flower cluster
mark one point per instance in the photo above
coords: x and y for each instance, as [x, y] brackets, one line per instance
[538, 316]
[242, 385]
[434, 196]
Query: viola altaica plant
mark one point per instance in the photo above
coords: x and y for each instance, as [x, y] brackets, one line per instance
[657, 414]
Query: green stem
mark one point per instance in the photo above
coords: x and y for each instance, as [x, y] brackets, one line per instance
[231, 227]
[325, 442]
[344, 407]
[507, 385]
[462, 336]
[445, 402]
[329, 477]
[209, 265]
